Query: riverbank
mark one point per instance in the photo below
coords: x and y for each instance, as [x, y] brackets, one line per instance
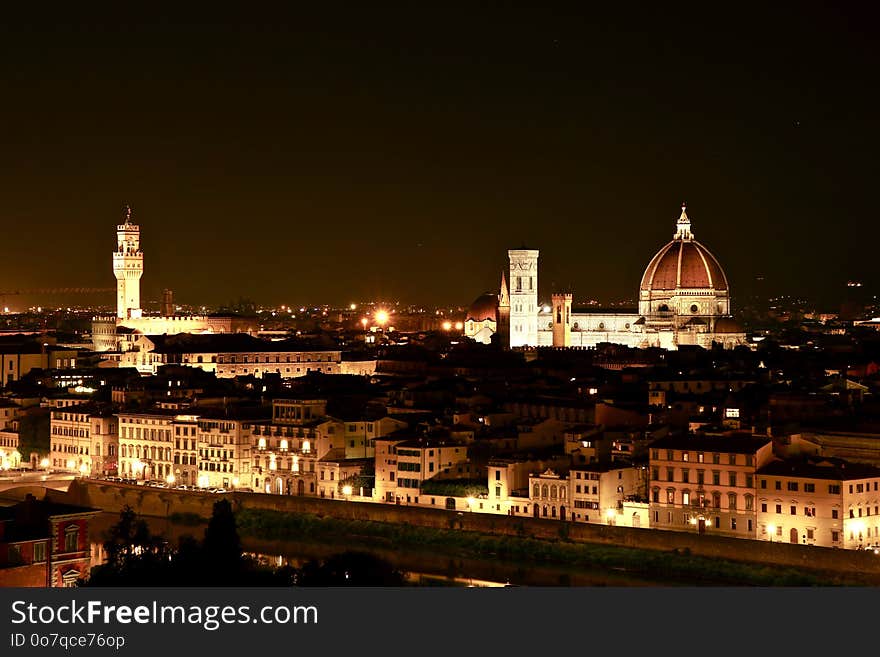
[561, 562]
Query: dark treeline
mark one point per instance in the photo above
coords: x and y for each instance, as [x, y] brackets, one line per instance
[136, 557]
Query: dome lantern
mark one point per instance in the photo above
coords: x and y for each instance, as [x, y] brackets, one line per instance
[683, 231]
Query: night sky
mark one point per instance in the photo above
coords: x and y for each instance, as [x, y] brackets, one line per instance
[397, 152]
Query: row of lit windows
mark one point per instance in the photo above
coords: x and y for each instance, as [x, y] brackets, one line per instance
[732, 477]
[670, 455]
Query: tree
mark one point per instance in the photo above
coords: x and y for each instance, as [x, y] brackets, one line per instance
[222, 545]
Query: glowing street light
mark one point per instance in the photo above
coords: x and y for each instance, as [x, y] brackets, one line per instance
[470, 502]
[353, 306]
[44, 463]
[459, 326]
[170, 479]
[771, 529]
[346, 490]
[364, 322]
[381, 317]
[83, 468]
[447, 325]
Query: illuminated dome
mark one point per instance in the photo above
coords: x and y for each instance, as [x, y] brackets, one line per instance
[484, 307]
[684, 279]
[683, 263]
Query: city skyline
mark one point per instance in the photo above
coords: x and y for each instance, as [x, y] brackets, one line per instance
[295, 159]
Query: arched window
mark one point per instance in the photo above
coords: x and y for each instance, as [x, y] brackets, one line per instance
[552, 492]
[536, 491]
[562, 492]
[544, 491]
[716, 500]
[731, 500]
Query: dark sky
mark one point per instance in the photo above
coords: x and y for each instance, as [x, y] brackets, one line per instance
[397, 151]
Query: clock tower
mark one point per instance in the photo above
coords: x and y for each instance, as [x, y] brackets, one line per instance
[523, 297]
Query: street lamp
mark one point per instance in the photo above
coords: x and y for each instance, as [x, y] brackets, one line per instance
[83, 469]
[470, 502]
[610, 513]
[44, 464]
[170, 479]
[346, 490]
[771, 528]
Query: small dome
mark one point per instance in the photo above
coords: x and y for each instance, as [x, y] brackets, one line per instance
[728, 325]
[484, 307]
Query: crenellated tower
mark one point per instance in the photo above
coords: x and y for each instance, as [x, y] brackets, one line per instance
[128, 267]
[562, 319]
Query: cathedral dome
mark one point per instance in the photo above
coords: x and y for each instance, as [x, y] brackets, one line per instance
[484, 307]
[683, 264]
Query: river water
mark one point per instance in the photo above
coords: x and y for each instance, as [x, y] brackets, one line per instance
[422, 567]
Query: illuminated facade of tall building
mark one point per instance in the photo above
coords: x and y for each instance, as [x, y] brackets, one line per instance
[115, 333]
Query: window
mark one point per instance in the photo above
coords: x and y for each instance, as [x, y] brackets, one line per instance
[701, 477]
[834, 514]
[685, 475]
[731, 479]
[39, 552]
[777, 485]
[670, 474]
[670, 496]
[792, 486]
[699, 457]
[793, 510]
[810, 511]
[834, 489]
[655, 474]
[750, 503]
[731, 501]
[835, 536]
[685, 497]
[731, 459]
[763, 483]
[778, 508]
[71, 539]
[716, 478]
[716, 458]
[685, 456]
[733, 524]
[809, 488]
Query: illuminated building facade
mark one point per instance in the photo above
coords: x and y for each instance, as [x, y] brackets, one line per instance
[684, 299]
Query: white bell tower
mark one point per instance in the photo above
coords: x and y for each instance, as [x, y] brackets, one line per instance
[128, 267]
[523, 297]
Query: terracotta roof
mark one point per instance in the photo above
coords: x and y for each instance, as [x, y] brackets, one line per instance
[683, 264]
[484, 307]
